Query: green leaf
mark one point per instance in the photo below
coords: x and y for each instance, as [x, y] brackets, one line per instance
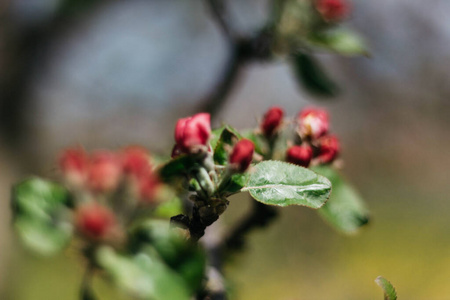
[283, 184]
[388, 288]
[215, 136]
[39, 214]
[169, 208]
[143, 275]
[182, 256]
[176, 167]
[340, 40]
[311, 76]
[345, 210]
[227, 138]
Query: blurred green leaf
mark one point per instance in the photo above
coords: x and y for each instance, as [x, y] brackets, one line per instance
[143, 275]
[345, 210]
[283, 184]
[311, 76]
[176, 167]
[182, 256]
[169, 208]
[227, 138]
[39, 211]
[237, 182]
[340, 40]
[388, 288]
[215, 136]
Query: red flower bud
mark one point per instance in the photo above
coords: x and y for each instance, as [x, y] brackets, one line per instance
[333, 10]
[328, 149]
[272, 121]
[242, 154]
[94, 220]
[135, 160]
[73, 163]
[299, 155]
[193, 132]
[313, 122]
[148, 188]
[105, 171]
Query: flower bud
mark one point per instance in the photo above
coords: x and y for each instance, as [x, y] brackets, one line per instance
[105, 171]
[333, 10]
[242, 155]
[272, 121]
[73, 163]
[328, 149]
[148, 187]
[313, 123]
[94, 220]
[299, 155]
[135, 160]
[192, 133]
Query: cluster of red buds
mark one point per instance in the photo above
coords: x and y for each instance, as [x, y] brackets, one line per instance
[313, 144]
[333, 10]
[99, 177]
[192, 135]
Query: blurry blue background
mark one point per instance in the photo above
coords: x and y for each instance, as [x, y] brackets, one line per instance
[123, 72]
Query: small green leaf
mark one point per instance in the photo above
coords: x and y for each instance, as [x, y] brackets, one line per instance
[184, 257]
[215, 136]
[283, 184]
[227, 138]
[340, 40]
[39, 214]
[345, 210]
[311, 76]
[176, 167]
[388, 288]
[169, 208]
[143, 275]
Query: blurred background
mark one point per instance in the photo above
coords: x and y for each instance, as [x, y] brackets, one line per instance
[110, 73]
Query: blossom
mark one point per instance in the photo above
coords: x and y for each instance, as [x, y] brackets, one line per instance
[192, 133]
[313, 122]
[328, 149]
[299, 155]
[272, 121]
[105, 171]
[94, 220]
[333, 10]
[242, 155]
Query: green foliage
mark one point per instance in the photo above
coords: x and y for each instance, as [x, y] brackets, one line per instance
[283, 184]
[340, 40]
[311, 76]
[143, 275]
[226, 140]
[38, 213]
[183, 257]
[169, 208]
[345, 210]
[388, 288]
[176, 167]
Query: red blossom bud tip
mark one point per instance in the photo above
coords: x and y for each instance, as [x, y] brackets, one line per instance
[192, 132]
[242, 154]
[94, 220]
[328, 149]
[313, 122]
[105, 171]
[148, 188]
[299, 155]
[135, 160]
[73, 162]
[272, 121]
[333, 10]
